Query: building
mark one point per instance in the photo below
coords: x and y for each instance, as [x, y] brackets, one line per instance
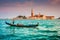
[49, 17]
[39, 16]
[20, 17]
[33, 16]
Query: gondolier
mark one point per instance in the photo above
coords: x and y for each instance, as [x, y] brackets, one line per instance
[13, 21]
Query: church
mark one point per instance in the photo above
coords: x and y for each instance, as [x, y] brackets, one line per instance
[39, 16]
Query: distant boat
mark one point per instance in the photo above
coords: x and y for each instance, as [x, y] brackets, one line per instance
[22, 25]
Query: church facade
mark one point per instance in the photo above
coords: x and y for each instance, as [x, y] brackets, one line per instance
[39, 16]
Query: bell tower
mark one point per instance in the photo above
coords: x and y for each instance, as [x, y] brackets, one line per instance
[39, 14]
[32, 13]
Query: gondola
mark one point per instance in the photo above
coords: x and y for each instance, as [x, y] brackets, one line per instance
[22, 25]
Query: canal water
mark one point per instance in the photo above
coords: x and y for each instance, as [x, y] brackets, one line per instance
[47, 30]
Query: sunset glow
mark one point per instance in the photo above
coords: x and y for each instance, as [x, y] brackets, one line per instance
[13, 8]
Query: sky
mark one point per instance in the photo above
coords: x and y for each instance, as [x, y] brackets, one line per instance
[13, 8]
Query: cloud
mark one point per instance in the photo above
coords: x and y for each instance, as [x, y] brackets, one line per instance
[55, 2]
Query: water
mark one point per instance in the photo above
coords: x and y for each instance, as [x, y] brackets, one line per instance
[47, 30]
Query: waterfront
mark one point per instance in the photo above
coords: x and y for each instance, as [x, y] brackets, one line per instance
[47, 30]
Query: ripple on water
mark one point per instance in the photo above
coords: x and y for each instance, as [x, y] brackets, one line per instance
[47, 30]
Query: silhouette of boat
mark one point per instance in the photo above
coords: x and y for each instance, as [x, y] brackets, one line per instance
[22, 25]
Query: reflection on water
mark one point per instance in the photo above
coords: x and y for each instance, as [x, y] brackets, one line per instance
[47, 30]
